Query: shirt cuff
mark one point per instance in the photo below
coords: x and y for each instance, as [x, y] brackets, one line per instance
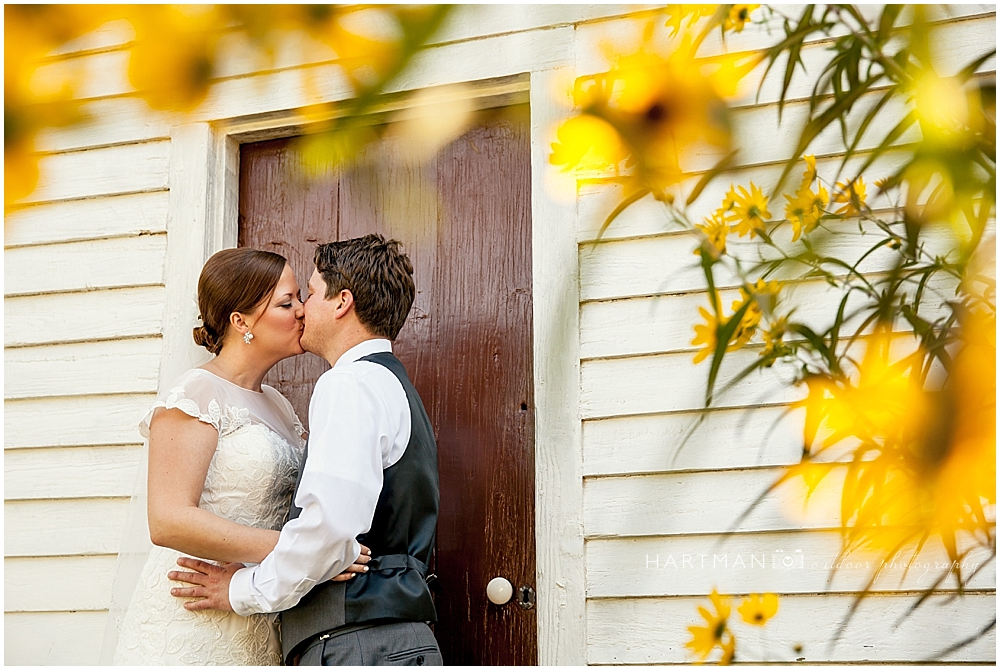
[240, 598]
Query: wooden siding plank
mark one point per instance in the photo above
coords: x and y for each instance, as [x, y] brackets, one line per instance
[54, 584]
[648, 266]
[63, 527]
[86, 368]
[726, 439]
[78, 266]
[704, 502]
[53, 638]
[119, 169]
[59, 422]
[108, 121]
[672, 382]
[793, 562]
[73, 472]
[473, 22]
[95, 218]
[654, 630]
[91, 315]
[99, 75]
[459, 62]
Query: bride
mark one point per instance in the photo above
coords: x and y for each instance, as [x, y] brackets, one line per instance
[224, 453]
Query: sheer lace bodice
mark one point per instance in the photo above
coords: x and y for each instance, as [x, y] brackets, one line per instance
[250, 480]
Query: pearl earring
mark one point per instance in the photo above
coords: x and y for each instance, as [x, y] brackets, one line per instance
[247, 336]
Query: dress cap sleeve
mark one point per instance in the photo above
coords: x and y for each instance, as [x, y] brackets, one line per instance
[197, 394]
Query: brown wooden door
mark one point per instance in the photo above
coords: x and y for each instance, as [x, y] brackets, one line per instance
[465, 220]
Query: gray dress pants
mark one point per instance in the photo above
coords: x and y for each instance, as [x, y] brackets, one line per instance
[403, 643]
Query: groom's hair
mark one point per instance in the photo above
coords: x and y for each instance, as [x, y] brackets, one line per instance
[377, 273]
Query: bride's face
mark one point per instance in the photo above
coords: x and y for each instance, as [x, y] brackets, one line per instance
[279, 325]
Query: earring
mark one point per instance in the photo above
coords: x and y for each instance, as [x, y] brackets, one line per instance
[247, 336]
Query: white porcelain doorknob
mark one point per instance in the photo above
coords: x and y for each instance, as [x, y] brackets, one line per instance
[499, 591]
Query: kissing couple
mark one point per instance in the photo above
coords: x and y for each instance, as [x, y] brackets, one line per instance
[335, 532]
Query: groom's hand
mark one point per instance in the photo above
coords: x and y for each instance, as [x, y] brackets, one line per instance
[212, 584]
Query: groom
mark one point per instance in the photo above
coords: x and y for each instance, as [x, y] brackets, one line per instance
[370, 475]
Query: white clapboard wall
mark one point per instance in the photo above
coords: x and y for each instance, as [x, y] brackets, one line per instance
[86, 298]
[656, 520]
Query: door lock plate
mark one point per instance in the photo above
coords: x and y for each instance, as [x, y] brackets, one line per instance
[526, 597]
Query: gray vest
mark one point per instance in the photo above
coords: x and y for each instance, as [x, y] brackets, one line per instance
[401, 539]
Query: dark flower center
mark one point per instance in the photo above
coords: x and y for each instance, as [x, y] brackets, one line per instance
[656, 113]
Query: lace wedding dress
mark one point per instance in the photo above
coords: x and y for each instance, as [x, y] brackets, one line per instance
[250, 481]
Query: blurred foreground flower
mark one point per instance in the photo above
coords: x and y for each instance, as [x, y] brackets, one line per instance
[177, 54]
[657, 107]
[37, 97]
[715, 632]
[758, 609]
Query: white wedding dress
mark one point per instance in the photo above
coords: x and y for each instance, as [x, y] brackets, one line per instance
[250, 480]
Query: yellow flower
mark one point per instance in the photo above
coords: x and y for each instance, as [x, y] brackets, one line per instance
[852, 195]
[716, 631]
[678, 13]
[748, 210]
[728, 650]
[738, 17]
[587, 143]
[810, 174]
[748, 323]
[757, 608]
[706, 334]
[715, 229]
[926, 461]
[173, 55]
[658, 106]
[805, 209]
[947, 113]
[774, 336]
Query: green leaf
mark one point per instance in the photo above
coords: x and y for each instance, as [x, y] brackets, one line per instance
[710, 175]
[628, 200]
[886, 22]
[818, 124]
[724, 333]
[886, 143]
[863, 127]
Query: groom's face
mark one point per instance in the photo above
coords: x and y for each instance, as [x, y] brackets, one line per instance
[320, 324]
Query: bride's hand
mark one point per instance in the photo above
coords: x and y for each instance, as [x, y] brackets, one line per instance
[357, 567]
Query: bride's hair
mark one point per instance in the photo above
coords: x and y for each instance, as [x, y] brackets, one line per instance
[233, 280]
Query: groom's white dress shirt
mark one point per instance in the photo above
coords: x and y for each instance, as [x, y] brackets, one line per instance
[359, 424]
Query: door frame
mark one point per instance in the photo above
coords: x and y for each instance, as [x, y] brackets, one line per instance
[203, 218]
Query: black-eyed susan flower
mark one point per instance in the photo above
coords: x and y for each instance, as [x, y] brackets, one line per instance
[715, 633]
[748, 212]
[705, 335]
[659, 106]
[851, 195]
[757, 609]
[805, 209]
[738, 17]
[714, 230]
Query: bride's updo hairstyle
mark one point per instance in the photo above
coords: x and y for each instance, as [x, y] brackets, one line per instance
[233, 280]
